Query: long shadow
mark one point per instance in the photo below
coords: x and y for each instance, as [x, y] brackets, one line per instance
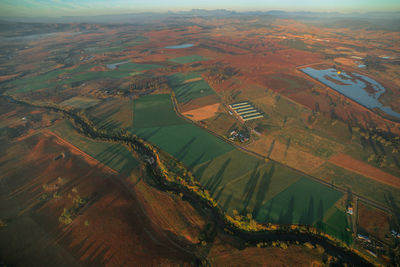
[263, 189]
[287, 146]
[287, 217]
[200, 171]
[271, 148]
[307, 216]
[185, 149]
[227, 202]
[250, 189]
[196, 161]
[320, 215]
[148, 135]
[218, 177]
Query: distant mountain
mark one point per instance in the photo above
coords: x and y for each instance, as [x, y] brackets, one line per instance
[146, 17]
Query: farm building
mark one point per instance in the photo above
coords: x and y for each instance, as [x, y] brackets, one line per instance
[246, 111]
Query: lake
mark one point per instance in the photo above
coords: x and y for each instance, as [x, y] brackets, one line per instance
[113, 66]
[357, 87]
[179, 46]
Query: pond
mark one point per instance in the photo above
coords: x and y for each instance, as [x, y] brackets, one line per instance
[357, 87]
[113, 66]
[179, 46]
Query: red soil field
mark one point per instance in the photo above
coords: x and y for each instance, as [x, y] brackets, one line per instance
[77, 151]
[365, 169]
[373, 221]
[203, 112]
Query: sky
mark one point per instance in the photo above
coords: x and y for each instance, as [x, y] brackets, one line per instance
[97, 7]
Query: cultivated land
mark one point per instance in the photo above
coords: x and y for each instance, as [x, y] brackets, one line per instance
[314, 154]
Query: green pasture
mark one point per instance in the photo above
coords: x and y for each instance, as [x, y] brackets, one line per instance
[185, 92]
[116, 156]
[112, 113]
[154, 111]
[242, 182]
[188, 59]
[78, 74]
[187, 142]
[80, 102]
[304, 202]
[359, 184]
[335, 224]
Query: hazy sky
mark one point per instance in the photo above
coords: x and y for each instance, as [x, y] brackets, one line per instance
[93, 7]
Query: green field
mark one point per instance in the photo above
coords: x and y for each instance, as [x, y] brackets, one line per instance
[156, 121]
[112, 113]
[78, 74]
[116, 156]
[359, 184]
[155, 111]
[186, 142]
[188, 59]
[335, 223]
[240, 181]
[185, 92]
[80, 102]
[304, 202]
[43, 80]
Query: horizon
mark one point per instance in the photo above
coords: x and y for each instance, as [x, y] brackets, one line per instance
[64, 8]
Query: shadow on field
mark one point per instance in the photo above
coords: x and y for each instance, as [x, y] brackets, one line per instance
[263, 189]
[185, 149]
[213, 183]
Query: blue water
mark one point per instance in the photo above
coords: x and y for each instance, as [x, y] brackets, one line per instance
[179, 46]
[354, 88]
[113, 66]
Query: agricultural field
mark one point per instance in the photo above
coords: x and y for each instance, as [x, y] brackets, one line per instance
[154, 111]
[304, 202]
[189, 87]
[335, 223]
[359, 184]
[80, 102]
[113, 223]
[116, 156]
[112, 113]
[188, 59]
[171, 82]
[374, 222]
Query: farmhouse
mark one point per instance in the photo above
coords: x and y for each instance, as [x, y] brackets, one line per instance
[246, 111]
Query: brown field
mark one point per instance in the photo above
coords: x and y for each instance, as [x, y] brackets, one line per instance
[291, 156]
[203, 112]
[198, 103]
[73, 149]
[224, 254]
[365, 169]
[193, 80]
[115, 227]
[373, 221]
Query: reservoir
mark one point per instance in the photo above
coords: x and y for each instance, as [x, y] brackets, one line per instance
[179, 46]
[113, 66]
[357, 87]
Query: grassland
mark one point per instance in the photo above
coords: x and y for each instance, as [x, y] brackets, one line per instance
[80, 102]
[186, 91]
[359, 184]
[115, 156]
[43, 80]
[112, 113]
[335, 224]
[304, 202]
[155, 111]
[186, 142]
[78, 74]
[188, 59]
